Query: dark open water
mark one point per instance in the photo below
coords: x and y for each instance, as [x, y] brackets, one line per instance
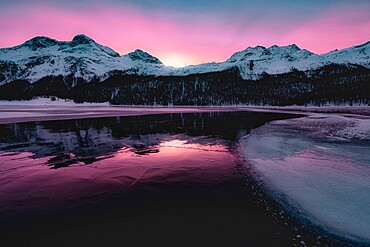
[159, 180]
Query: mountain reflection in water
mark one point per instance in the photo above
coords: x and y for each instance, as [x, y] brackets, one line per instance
[89, 140]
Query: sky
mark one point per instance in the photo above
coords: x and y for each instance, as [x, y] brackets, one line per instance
[184, 32]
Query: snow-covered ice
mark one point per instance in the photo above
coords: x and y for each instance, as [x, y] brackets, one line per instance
[320, 165]
[44, 101]
[347, 126]
[43, 109]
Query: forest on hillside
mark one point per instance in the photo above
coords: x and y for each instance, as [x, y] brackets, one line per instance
[333, 84]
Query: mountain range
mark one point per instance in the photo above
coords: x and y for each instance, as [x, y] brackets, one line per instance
[84, 58]
[83, 61]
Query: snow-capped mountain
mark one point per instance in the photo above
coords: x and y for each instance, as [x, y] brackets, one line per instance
[84, 58]
[254, 61]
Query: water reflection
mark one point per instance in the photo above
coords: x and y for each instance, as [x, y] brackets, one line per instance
[90, 140]
[166, 180]
[56, 163]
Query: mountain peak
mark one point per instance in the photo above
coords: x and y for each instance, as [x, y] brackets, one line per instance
[286, 49]
[40, 42]
[294, 46]
[254, 48]
[249, 53]
[260, 47]
[143, 56]
[82, 39]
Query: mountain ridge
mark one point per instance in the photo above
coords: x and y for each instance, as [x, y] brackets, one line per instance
[84, 58]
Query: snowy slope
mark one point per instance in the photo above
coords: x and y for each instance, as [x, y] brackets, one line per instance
[255, 61]
[359, 54]
[83, 57]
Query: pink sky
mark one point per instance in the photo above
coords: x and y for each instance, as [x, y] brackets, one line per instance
[180, 39]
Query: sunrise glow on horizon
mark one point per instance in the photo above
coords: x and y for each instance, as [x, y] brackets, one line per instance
[183, 33]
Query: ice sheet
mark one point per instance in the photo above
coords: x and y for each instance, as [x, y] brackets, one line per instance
[321, 166]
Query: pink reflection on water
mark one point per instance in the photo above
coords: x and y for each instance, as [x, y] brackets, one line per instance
[29, 184]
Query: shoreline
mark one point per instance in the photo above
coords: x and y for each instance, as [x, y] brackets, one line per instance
[43, 109]
[293, 226]
[287, 202]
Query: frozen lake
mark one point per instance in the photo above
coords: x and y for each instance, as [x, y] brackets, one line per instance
[180, 179]
[318, 167]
